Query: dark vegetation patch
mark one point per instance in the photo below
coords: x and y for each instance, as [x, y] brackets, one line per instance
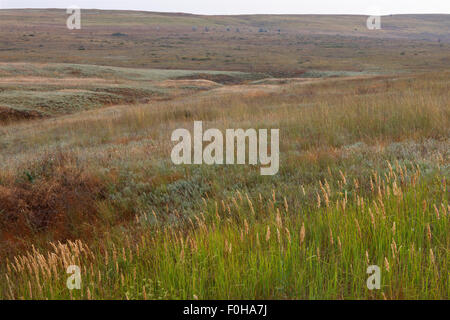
[8, 114]
[223, 78]
[134, 95]
[56, 197]
[288, 73]
[119, 34]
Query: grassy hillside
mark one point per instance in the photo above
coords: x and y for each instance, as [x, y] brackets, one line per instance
[30, 91]
[363, 175]
[287, 46]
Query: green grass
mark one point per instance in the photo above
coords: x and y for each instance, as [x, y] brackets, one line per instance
[62, 70]
[260, 248]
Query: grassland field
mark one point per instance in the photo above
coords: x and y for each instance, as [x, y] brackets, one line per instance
[86, 178]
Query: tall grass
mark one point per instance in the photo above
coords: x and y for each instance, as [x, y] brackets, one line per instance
[260, 248]
[362, 181]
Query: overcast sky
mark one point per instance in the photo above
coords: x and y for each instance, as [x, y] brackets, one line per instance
[248, 6]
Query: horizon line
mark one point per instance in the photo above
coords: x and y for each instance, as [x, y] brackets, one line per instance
[231, 14]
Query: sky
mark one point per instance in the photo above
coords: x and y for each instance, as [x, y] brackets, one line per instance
[373, 7]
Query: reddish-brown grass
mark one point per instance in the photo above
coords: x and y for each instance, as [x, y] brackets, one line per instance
[54, 203]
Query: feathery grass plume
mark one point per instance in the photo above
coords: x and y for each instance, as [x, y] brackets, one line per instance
[288, 233]
[372, 218]
[223, 205]
[391, 171]
[246, 227]
[278, 219]
[356, 183]
[383, 209]
[318, 200]
[286, 207]
[432, 258]
[424, 206]
[268, 234]
[358, 228]
[228, 246]
[394, 250]
[328, 188]
[327, 202]
[386, 264]
[302, 233]
[344, 179]
[182, 253]
[236, 205]
[436, 210]
[11, 295]
[322, 188]
[250, 203]
[30, 291]
[239, 195]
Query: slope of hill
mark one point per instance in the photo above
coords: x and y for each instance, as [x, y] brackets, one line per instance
[279, 44]
[31, 90]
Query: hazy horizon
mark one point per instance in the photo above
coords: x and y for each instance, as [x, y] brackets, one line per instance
[237, 14]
